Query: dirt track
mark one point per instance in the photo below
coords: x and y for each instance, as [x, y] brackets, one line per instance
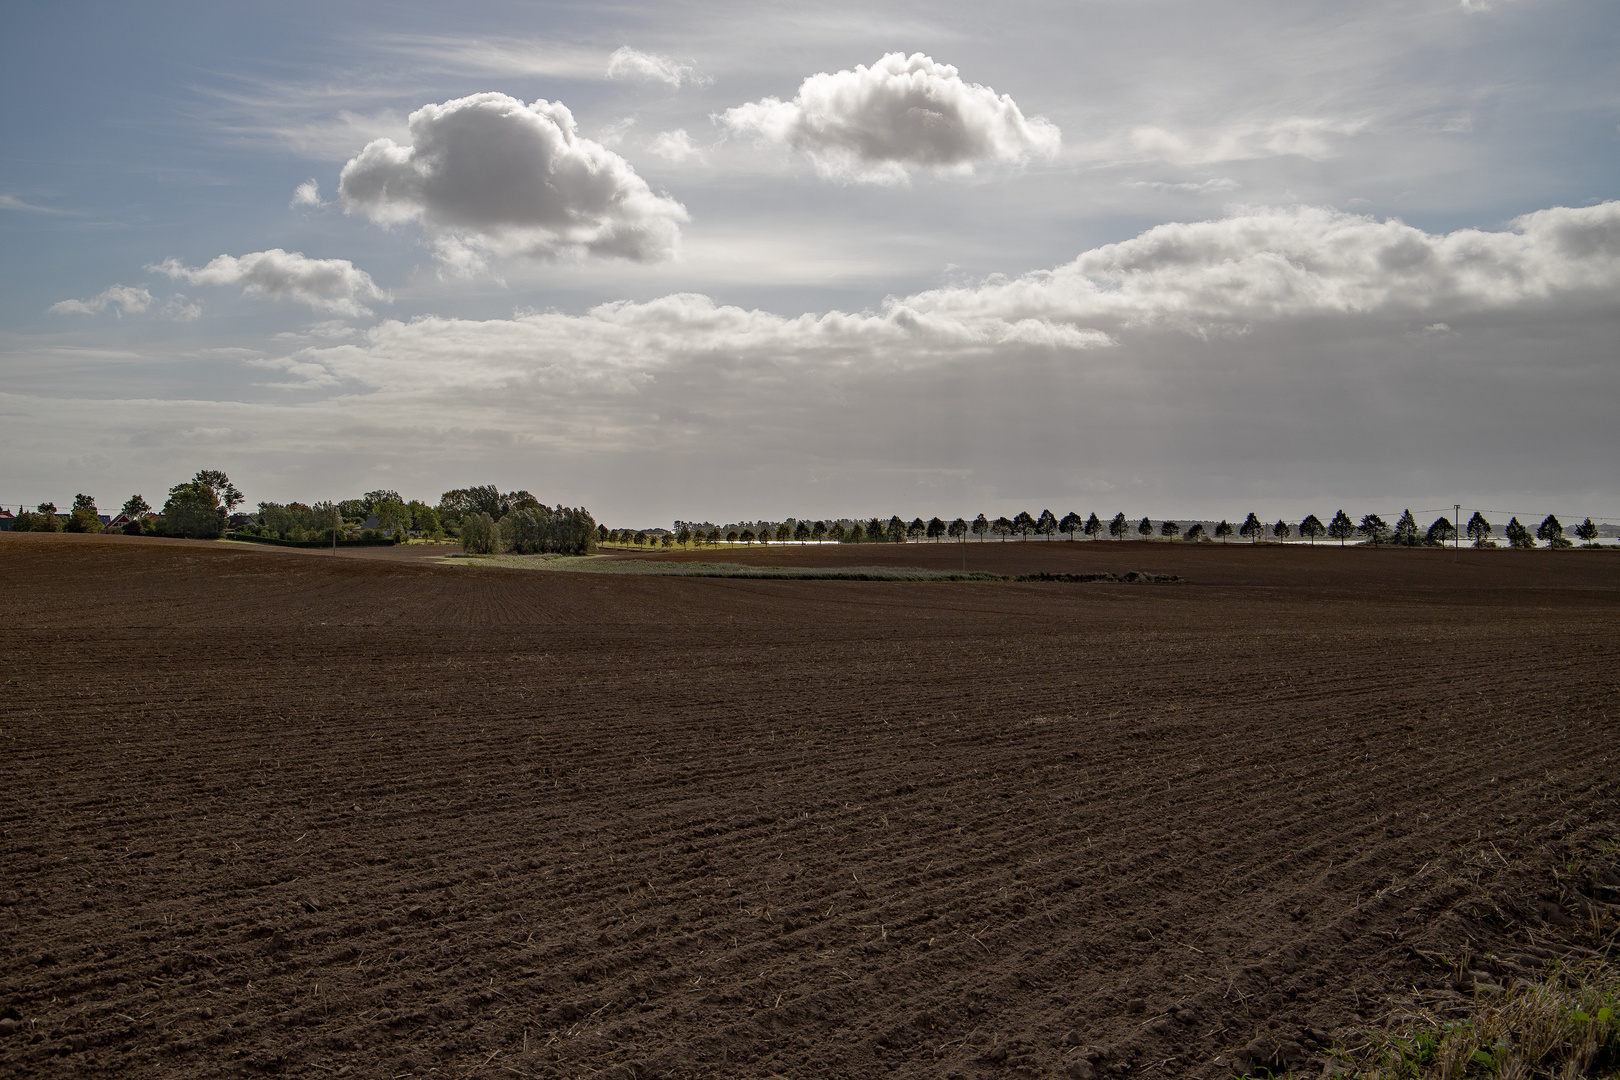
[267, 811]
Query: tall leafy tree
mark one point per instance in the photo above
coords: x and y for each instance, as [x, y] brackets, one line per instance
[1479, 530]
[393, 517]
[1373, 528]
[194, 510]
[856, 534]
[876, 532]
[1281, 530]
[1144, 527]
[1119, 526]
[1341, 528]
[1406, 530]
[1170, 530]
[1071, 524]
[801, 531]
[1252, 529]
[1518, 535]
[1311, 528]
[818, 531]
[784, 533]
[479, 534]
[895, 532]
[684, 537]
[981, 525]
[1024, 523]
[958, 529]
[84, 517]
[135, 507]
[1047, 523]
[1587, 532]
[1003, 527]
[1440, 532]
[1094, 526]
[1223, 529]
[221, 485]
[1195, 531]
[1552, 531]
[935, 529]
[917, 528]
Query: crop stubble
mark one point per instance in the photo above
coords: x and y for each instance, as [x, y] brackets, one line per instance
[273, 811]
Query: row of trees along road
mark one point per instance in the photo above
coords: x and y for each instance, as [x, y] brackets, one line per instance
[1372, 530]
[197, 508]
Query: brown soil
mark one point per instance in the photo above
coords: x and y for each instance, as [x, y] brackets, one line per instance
[266, 810]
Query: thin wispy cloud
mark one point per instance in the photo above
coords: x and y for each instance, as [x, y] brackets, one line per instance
[628, 63]
[11, 202]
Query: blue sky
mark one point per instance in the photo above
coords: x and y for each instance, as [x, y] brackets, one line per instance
[1174, 259]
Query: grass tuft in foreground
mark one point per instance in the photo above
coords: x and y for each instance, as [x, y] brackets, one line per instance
[1565, 1024]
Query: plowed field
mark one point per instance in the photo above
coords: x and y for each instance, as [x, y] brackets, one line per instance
[274, 811]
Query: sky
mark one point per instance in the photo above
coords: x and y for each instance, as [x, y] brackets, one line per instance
[758, 260]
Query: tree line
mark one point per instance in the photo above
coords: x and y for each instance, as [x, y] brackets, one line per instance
[1372, 530]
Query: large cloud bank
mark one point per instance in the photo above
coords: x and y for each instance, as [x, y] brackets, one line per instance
[334, 285]
[488, 174]
[873, 122]
[1261, 268]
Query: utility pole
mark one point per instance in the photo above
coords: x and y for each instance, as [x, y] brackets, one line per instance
[1456, 532]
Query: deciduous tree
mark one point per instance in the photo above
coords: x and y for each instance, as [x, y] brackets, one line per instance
[223, 489]
[1144, 528]
[84, 517]
[1047, 523]
[935, 530]
[1281, 530]
[958, 529]
[1552, 531]
[1479, 530]
[1195, 531]
[1341, 528]
[1587, 532]
[818, 531]
[1119, 526]
[1071, 524]
[193, 510]
[1311, 528]
[981, 525]
[1223, 529]
[1094, 527]
[1002, 526]
[1373, 528]
[479, 534]
[1169, 530]
[1023, 523]
[1441, 531]
[1252, 529]
[1406, 530]
[1518, 535]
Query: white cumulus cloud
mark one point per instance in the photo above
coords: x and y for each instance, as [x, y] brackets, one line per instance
[871, 123]
[1270, 264]
[1266, 267]
[628, 63]
[307, 194]
[122, 299]
[334, 285]
[488, 174]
